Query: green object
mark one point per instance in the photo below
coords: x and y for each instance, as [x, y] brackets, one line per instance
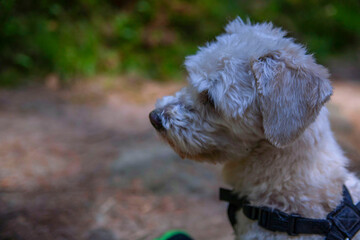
[172, 233]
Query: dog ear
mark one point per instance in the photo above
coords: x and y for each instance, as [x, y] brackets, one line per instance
[291, 90]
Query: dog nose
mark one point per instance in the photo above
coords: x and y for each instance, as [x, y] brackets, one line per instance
[155, 119]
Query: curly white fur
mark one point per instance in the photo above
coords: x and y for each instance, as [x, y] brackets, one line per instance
[255, 103]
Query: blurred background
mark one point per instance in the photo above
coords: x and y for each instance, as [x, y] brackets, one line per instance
[78, 157]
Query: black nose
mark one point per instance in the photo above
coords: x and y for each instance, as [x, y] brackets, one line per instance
[155, 119]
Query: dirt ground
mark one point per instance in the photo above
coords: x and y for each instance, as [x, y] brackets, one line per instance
[84, 163]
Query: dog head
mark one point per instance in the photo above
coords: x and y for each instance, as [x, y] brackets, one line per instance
[251, 84]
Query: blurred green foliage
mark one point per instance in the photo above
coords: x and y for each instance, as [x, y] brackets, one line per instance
[81, 38]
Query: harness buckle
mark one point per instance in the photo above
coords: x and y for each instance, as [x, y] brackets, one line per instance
[265, 216]
[292, 223]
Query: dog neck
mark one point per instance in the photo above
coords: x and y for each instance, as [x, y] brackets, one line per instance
[305, 177]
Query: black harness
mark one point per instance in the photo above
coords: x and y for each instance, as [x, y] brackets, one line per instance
[342, 223]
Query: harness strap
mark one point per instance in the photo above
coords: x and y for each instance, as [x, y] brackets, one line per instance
[292, 224]
[343, 222]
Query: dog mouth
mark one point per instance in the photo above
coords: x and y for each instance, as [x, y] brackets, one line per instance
[156, 120]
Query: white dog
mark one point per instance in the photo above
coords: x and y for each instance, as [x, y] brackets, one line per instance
[255, 102]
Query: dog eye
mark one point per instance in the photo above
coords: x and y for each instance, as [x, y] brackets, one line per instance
[205, 98]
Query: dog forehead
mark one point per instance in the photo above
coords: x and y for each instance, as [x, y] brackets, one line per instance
[241, 43]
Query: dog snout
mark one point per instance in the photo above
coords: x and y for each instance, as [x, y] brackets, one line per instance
[155, 119]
